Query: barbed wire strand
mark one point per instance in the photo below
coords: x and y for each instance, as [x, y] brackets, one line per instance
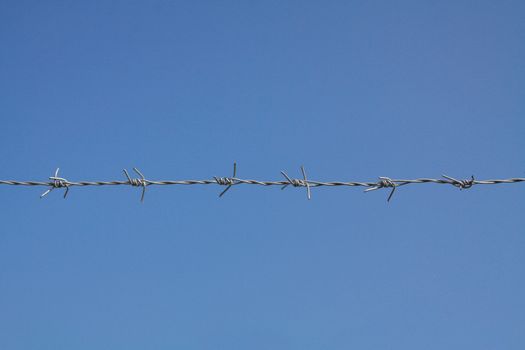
[383, 182]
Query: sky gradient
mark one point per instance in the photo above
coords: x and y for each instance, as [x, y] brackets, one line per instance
[352, 90]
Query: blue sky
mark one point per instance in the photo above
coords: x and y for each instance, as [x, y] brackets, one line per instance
[351, 89]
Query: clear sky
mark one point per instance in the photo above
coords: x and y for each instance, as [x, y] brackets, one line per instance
[182, 89]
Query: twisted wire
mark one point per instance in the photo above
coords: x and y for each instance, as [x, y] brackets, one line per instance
[56, 182]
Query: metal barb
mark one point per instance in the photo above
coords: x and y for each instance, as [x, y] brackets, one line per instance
[138, 182]
[461, 184]
[58, 182]
[382, 183]
[298, 182]
[229, 181]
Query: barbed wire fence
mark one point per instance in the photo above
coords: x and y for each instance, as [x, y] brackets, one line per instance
[141, 181]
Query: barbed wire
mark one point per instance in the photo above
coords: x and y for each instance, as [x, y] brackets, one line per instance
[141, 181]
